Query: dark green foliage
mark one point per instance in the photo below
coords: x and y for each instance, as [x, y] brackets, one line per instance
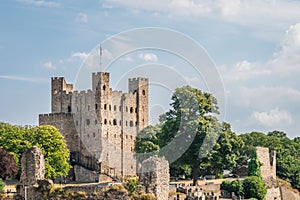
[254, 187]
[254, 166]
[17, 139]
[8, 166]
[235, 186]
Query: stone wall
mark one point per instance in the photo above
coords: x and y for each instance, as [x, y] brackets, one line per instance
[154, 177]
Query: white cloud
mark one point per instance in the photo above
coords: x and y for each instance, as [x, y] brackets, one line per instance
[230, 7]
[49, 65]
[273, 117]
[148, 57]
[82, 18]
[81, 55]
[40, 3]
[22, 78]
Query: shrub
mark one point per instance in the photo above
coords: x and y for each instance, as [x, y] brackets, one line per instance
[254, 187]
[2, 185]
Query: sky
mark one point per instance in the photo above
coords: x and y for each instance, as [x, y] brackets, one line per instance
[251, 47]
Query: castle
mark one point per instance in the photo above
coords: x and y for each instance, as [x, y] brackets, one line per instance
[99, 125]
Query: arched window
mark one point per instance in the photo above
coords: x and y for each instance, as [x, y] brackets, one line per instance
[144, 93]
[131, 109]
[105, 121]
[69, 109]
[104, 87]
[115, 107]
[110, 107]
[87, 122]
[115, 122]
[105, 106]
[131, 123]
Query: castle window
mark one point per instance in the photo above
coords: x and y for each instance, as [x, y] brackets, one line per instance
[131, 109]
[136, 123]
[120, 123]
[126, 123]
[105, 121]
[87, 122]
[131, 149]
[88, 136]
[105, 106]
[126, 136]
[109, 122]
[94, 134]
[77, 108]
[131, 123]
[120, 108]
[135, 110]
[115, 135]
[104, 87]
[115, 107]
[109, 107]
[88, 108]
[76, 123]
[126, 109]
[69, 109]
[96, 106]
[107, 135]
[143, 120]
[96, 121]
[115, 122]
[144, 93]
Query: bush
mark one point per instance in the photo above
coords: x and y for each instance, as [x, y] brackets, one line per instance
[254, 187]
[131, 184]
[2, 185]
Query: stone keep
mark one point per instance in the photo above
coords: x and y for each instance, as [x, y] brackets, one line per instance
[33, 166]
[99, 125]
[154, 177]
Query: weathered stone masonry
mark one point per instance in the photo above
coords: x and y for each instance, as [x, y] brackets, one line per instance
[99, 125]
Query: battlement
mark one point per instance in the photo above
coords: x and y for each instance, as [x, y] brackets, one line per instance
[56, 78]
[68, 115]
[138, 79]
[99, 73]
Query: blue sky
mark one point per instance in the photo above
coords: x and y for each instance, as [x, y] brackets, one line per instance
[255, 46]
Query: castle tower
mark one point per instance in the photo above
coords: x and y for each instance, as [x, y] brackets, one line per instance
[60, 95]
[140, 86]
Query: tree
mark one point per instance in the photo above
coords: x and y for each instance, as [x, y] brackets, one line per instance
[254, 187]
[17, 139]
[185, 127]
[8, 166]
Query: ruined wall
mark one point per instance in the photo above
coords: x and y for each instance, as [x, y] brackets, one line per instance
[268, 168]
[33, 166]
[273, 193]
[84, 175]
[154, 177]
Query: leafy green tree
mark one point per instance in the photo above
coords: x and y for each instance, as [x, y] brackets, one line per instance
[254, 187]
[8, 166]
[235, 186]
[17, 139]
